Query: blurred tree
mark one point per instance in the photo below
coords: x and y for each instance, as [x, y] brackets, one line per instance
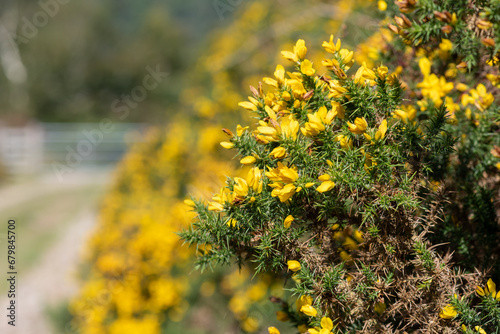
[83, 55]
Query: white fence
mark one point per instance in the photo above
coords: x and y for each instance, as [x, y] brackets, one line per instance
[36, 146]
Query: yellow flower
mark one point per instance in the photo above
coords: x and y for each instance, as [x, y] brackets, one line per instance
[480, 330]
[345, 142]
[365, 74]
[300, 49]
[309, 310]
[325, 186]
[425, 66]
[273, 330]
[293, 265]
[489, 289]
[484, 24]
[232, 222]
[284, 193]
[324, 177]
[248, 105]
[248, 160]
[326, 323]
[240, 187]
[288, 221]
[287, 129]
[448, 312]
[227, 145]
[283, 174]
[299, 52]
[240, 130]
[433, 87]
[223, 197]
[382, 129]
[303, 300]
[250, 324]
[382, 5]
[278, 153]
[330, 47]
[336, 90]
[445, 45]
[401, 114]
[189, 202]
[306, 68]
[318, 120]
[360, 125]
[477, 328]
[254, 179]
[382, 71]
[279, 74]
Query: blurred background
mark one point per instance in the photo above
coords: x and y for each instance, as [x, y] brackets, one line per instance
[110, 116]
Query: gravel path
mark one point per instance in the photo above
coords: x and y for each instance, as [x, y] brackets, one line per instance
[52, 280]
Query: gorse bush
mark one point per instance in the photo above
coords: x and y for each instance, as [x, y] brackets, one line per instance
[376, 189]
[138, 278]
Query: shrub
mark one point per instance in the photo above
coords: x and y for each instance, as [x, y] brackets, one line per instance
[359, 179]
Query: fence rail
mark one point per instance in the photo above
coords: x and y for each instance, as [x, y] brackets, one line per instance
[36, 146]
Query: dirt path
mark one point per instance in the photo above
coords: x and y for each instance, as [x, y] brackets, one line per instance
[51, 280]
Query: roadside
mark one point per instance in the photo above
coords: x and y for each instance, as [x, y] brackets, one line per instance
[53, 222]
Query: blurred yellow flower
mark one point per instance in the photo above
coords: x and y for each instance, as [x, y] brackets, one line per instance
[273, 330]
[281, 316]
[227, 145]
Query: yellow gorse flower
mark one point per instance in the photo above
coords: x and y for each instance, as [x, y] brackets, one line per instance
[360, 125]
[345, 142]
[382, 129]
[330, 47]
[327, 185]
[248, 160]
[306, 68]
[318, 120]
[365, 74]
[279, 74]
[448, 312]
[223, 197]
[326, 327]
[278, 152]
[299, 52]
[273, 330]
[273, 131]
[294, 265]
[309, 310]
[283, 178]
[240, 187]
[254, 180]
[489, 289]
[433, 87]
[288, 221]
[479, 96]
